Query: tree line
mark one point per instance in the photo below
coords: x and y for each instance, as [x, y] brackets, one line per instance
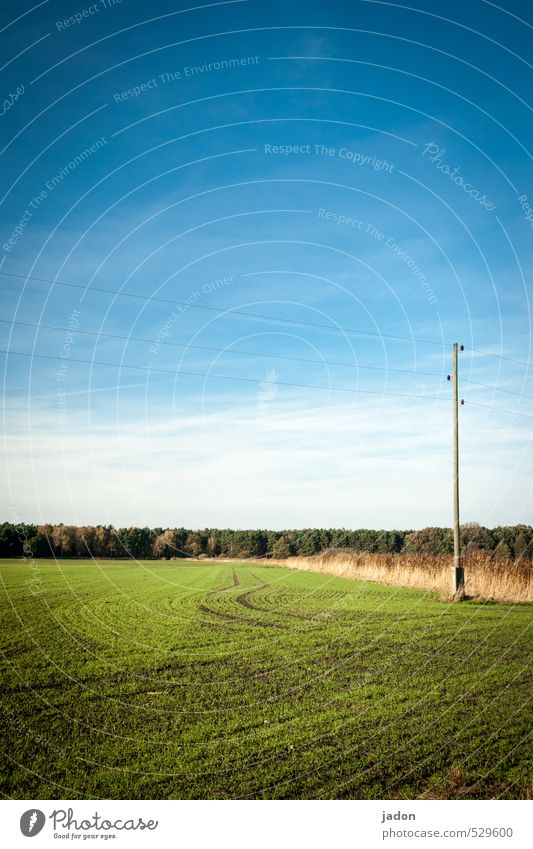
[25, 540]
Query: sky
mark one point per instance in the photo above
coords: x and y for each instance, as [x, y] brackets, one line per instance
[238, 241]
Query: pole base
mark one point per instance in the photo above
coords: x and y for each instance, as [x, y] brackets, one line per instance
[458, 581]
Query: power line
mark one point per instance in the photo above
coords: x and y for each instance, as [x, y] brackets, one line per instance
[499, 409]
[260, 316]
[497, 388]
[219, 376]
[498, 356]
[98, 334]
[513, 413]
[278, 319]
[259, 355]
[231, 311]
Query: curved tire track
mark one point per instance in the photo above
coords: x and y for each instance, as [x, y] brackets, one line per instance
[242, 599]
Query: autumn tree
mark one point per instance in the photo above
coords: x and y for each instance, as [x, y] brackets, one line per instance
[166, 545]
[283, 547]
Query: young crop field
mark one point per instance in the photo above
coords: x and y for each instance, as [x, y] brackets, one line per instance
[166, 680]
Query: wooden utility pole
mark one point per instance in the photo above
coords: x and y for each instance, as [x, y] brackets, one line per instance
[458, 583]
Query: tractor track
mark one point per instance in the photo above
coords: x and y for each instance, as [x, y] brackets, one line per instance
[242, 599]
[245, 600]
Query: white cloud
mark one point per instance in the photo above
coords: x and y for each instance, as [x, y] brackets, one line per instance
[374, 463]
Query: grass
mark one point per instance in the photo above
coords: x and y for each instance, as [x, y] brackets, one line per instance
[215, 680]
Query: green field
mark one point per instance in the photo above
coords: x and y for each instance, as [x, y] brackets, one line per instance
[201, 680]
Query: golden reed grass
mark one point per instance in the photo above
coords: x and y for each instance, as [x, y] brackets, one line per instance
[486, 577]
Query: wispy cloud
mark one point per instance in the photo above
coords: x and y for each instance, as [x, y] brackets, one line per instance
[374, 462]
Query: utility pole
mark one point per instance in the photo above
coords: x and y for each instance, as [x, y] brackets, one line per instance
[458, 582]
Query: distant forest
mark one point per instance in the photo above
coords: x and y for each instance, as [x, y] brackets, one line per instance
[164, 543]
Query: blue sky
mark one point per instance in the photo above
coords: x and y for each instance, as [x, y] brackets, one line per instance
[309, 202]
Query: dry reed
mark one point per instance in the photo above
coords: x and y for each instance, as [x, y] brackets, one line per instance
[486, 577]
